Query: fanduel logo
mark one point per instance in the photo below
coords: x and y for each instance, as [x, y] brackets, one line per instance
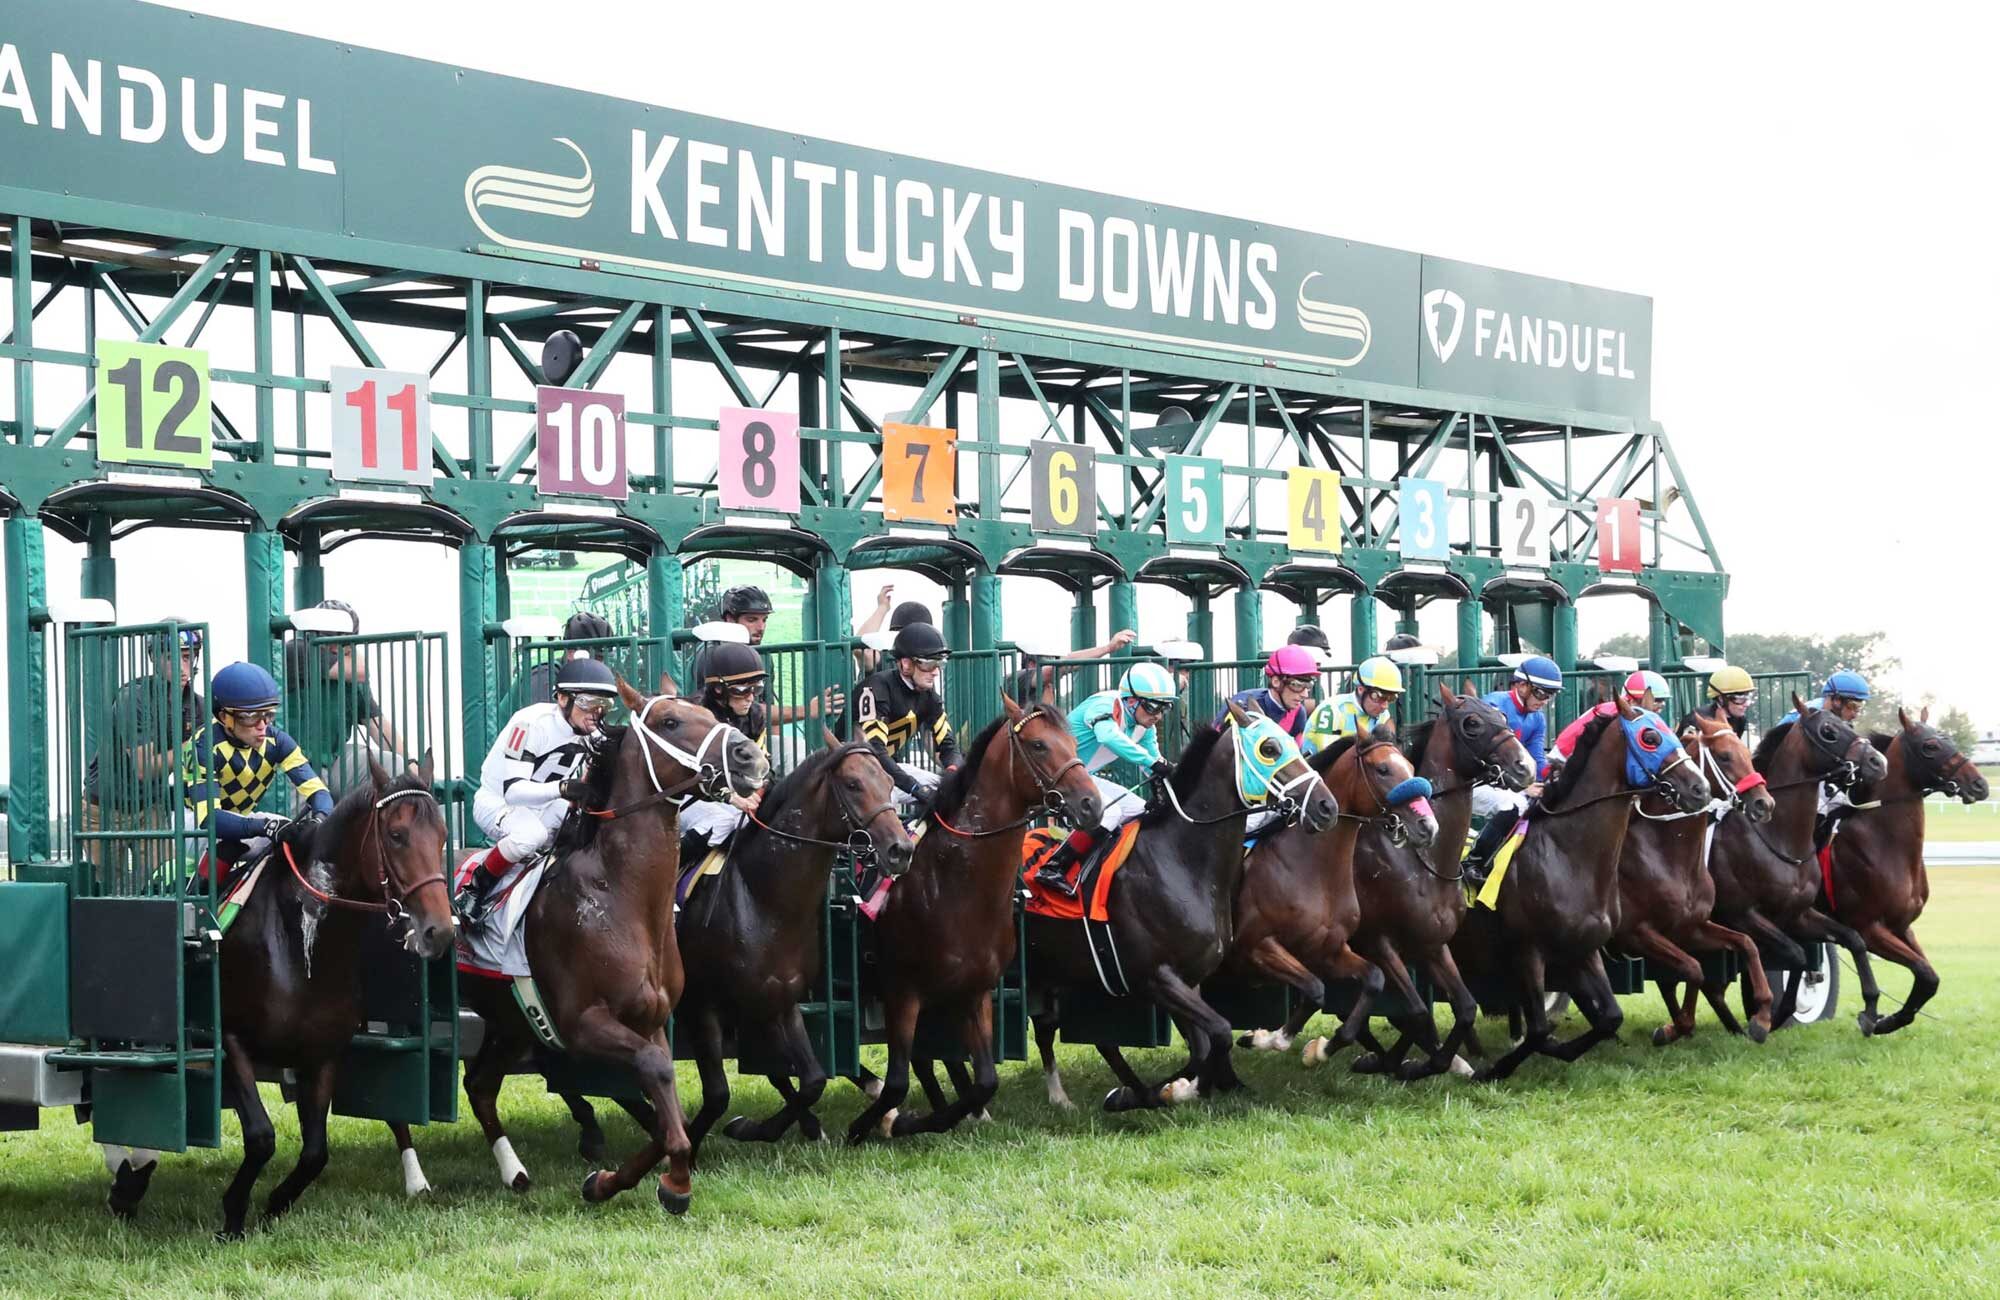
[1436, 303]
[522, 190]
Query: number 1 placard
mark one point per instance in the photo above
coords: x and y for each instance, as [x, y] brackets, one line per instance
[919, 473]
[152, 405]
[1422, 526]
[1315, 509]
[381, 426]
[757, 459]
[1617, 534]
[580, 443]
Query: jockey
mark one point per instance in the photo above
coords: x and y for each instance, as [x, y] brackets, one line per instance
[1313, 637]
[229, 765]
[1377, 683]
[1645, 688]
[1289, 675]
[1536, 682]
[900, 699]
[1730, 691]
[1111, 726]
[1845, 692]
[732, 692]
[527, 783]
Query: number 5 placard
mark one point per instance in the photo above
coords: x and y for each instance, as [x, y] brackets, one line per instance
[1315, 509]
[152, 405]
[580, 443]
[381, 426]
[1617, 534]
[757, 460]
[919, 471]
[1194, 500]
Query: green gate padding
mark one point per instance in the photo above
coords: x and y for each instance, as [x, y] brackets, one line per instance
[34, 933]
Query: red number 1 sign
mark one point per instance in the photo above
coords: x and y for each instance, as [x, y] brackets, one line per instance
[1617, 534]
[381, 426]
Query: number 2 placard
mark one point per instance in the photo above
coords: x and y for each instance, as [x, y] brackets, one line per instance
[757, 460]
[1524, 537]
[1617, 534]
[580, 443]
[152, 405]
[1315, 509]
[919, 470]
[381, 426]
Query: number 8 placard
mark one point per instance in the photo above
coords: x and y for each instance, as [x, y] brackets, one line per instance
[152, 405]
[580, 443]
[919, 471]
[757, 460]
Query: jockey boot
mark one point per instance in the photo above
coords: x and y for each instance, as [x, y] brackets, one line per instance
[1053, 874]
[470, 900]
[694, 848]
[1491, 837]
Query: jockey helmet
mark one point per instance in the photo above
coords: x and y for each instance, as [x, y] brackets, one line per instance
[1729, 680]
[1379, 674]
[189, 631]
[910, 611]
[1310, 634]
[920, 641]
[1539, 670]
[1646, 680]
[586, 626]
[586, 677]
[729, 662]
[1291, 661]
[1147, 682]
[745, 600]
[344, 608]
[1852, 685]
[1401, 641]
[244, 686]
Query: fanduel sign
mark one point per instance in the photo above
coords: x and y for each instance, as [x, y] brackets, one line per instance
[107, 101]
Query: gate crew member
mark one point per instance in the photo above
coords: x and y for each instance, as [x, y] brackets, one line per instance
[1289, 675]
[1377, 684]
[732, 692]
[1644, 688]
[1118, 725]
[1038, 672]
[750, 608]
[900, 699]
[1730, 692]
[1313, 637]
[527, 783]
[1536, 682]
[233, 761]
[152, 718]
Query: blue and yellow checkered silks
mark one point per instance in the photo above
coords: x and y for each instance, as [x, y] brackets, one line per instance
[225, 776]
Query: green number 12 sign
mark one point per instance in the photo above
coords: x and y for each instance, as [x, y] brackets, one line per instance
[152, 405]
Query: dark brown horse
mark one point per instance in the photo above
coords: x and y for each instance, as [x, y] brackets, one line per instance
[291, 976]
[1666, 896]
[947, 930]
[600, 933]
[1879, 885]
[1297, 907]
[1172, 905]
[1766, 876]
[1558, 904]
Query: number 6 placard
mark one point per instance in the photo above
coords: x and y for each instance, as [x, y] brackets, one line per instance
[919, 470]
[757, 460]
[1064, 496]
[152, 405]
[580, 443]
[381, 426]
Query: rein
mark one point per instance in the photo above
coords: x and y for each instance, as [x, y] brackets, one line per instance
[1051, 800]
[392, 904]
[1634, 795]
[857, 842]
[709, 778]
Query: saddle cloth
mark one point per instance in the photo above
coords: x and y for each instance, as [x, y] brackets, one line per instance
[1094, 874]
[496, 946]
[1488, 895]
[710, 865]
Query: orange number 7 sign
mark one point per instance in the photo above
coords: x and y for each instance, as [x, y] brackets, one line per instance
[919, 469]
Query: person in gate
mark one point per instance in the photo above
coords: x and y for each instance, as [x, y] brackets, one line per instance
[1289, 676]
[898, 618]
[332, 691]
[1645, 688]
[1730, 694]
[1118, 725]
[228, 766]
[1536, 682]
[581, 627]
[1038, 673]
[749, 607]
[900, 700]
[733, 693]
[1378, 683]
[528, 784]
[152, 717]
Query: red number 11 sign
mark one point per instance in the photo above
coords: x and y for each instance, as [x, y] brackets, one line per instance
[381, 426]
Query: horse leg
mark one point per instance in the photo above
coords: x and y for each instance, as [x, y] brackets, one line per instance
[1349, 964]
[1271, 959]
[899, 1016]
[1530, 1012]
[976, 1032]
[1464, 1035]
[590, 1134]
[1046, 1025]
[1903, 950]
[598, 1033]
[961, 1075]
[1377, 1059]
[260, 1140]
[1788, 951]
[1818, 925]
[714, 1081]
[1591, 988]
[483, 1077]
[798, 1102]
[867, 1080]
[1648, 942]
[1207, 1031]
[1132, 1092]
[1712, 937]
[315, 1096]
[414, 1182]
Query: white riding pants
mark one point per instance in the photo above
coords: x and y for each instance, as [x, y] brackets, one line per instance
[519, 831]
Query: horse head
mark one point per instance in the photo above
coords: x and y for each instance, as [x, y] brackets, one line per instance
[864, 799]
[1043, 765]
[1482, 743]
[1731, 774]
[1834, 750]
[1374, 782]
[1655, 759]
[1933, 764]
[681, 747]
[1268, 763]
[405, 838]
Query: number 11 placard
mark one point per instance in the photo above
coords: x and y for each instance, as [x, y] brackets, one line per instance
[381, 426]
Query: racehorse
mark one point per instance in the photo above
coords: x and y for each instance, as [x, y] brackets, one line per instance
[946, 931]
[291, 975]
[1412, 901]
[1559, 902]
[600, 933]
[1296, 906]
[1665, 894]
[1766, 881]
[1876, 873]
[1172, 904]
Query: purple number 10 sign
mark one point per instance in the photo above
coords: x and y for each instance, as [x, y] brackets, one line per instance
[580, 443]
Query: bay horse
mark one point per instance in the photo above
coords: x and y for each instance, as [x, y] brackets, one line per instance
[1172, 905]
[1766, 879]
[1878, 885]
[1559, 902]
[600, 933]
[1666, 896]
[291, 974]
[1297, 908]
[947, 930]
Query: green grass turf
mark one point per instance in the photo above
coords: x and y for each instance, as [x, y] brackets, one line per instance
[1957, 823]
[1817, 1164]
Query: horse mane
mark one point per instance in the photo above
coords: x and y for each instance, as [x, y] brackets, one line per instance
[1767, 745]
[957, 784]
[356, 803]
[1572, 772]
[1187, 772]
[1417, 739]
[1323, 761]
[1882, 740]
[578, 831]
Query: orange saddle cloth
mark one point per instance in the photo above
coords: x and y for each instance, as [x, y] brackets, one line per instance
[1097, 876]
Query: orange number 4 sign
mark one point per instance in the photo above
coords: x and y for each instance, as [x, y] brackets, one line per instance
[919, 470]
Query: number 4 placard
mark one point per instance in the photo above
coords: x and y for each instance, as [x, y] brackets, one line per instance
[580, 443]
[919, 472]
[381, 426]
[1315, 509]
[757, 460]
[1617, 534]
[152, 405]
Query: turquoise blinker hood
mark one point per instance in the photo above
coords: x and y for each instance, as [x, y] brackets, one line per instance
[1262, 749]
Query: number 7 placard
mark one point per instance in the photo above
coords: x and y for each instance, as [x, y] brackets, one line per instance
[919, 472]
[381, 426]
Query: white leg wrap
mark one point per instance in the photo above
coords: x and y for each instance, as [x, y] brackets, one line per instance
[414, 1182]
[1178, 1091]
[1058, 1097]
[512, 1172]
[1459, 1066]
[872, 1089]
[1315, 1052]
[887, 1125]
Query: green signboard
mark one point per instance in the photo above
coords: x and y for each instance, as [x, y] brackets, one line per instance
[163, 113]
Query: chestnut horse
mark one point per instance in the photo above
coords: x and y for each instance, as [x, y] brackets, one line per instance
[1879, 885]
[1665, 895]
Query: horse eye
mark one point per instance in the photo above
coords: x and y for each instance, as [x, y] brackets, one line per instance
[1041, 746]
[1268, 750]
[401, 839]
[1930, 747]
[1649, 738]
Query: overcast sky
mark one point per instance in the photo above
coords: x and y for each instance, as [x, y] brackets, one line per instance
[1805, 195]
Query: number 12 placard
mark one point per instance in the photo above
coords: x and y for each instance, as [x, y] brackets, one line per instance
[152, 405]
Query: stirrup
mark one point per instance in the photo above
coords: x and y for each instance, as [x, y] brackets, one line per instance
[1056, 879]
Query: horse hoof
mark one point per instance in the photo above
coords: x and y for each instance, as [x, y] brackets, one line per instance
[983, 1117]
[1869, 1023]
[1756, 1030]
[226, 1236]
[1366, 1063]
[742, 1128]
[1461, 1067]
[519, 1183]
[1411, 1071]
[1314, 1053]
[675, 1202]
[590, 1194]
[1178, 1091]
[1119, 1100]
[1663, 1035]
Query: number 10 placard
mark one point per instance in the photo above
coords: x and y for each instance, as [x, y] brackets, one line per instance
[580, 443]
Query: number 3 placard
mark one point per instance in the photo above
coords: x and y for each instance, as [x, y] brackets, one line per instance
[1315, 509]
[381, 426]
[152, 405]
[1617, 534]
[1422, 531]
[580, 443]
[757, 460]
[919, 470]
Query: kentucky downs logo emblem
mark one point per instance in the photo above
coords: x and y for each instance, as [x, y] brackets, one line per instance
[523, 190]
[1436, 303]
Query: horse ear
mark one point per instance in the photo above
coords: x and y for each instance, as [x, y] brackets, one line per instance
[426, 772]
[1465, 687]
[1603, 691]
[1236, 712]
[1902, 718]
[1385, 728]
[380, 776]
[826, 733]
[1798, 705]
[1013, 710]
[1923, 714]
[631, 697]
[1445, 696]
[1627, 710]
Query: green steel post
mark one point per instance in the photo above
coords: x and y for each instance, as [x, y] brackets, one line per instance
[836, 483]
[1662, 641]
[1469, 649]
[663, 592]
[988, 381]
[479, 449]
[1362, 638]
[833, 606]
[663, 402]
[1308, 608]
[309, 579]
[27, 688]
[957, 616]
[1406, 621]
[1124, 605]
[1562, 646]
[477, 607]
[100, 571]
[267, 417]
[985, 610]
[1083, 621]
[263, 595]
[1249, 604]
[1201, 625]
[23, 273]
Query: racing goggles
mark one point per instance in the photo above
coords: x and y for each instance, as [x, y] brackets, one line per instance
[252, 717]
[1737, 697]
[591, 706]
[1541, 692]
[930, 664]
[742, 690]
[1294, 683]
[1157, 708]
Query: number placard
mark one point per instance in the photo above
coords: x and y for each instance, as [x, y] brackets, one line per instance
[1314, 517]
[1524, 534]
[1617, 534]
[1065, 488]
[757, 459]
[381, 426]
[580, 443]
[1194, 500]
[919, 474]
[1423, 529]
[152, 405]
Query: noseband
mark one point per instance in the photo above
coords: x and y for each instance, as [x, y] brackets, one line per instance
[392, 897]
[859, 844]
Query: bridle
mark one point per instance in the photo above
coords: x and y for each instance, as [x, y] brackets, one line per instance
[1051, 800]
[859, 844]
[1490, 772]
[1657, 784]
[1842, 772]
[393, 897]
[1283, 804]
[707, 780]
[1711, 770]
[1383, 816]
